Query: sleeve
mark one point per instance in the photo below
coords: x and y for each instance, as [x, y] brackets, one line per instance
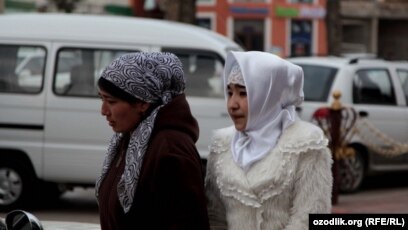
[312, 188]
[215, 206]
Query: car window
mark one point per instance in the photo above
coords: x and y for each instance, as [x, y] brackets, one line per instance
[78, 70]
[317, 81]
[373, 86]
[21, 68]
[203, 72]
[403, 76]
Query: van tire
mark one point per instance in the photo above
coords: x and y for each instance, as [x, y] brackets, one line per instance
[16, 184]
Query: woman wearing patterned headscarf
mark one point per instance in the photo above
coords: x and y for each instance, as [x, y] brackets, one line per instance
[152, 176]
[271, 170]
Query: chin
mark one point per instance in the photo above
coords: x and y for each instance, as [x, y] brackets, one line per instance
[240, 128]
[116, 130]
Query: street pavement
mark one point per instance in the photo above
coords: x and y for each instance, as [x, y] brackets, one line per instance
[380, 194]
[391, 200]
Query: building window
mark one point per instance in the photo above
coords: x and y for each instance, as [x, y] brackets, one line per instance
[249, 0]
[301, 1]
[301, 38]
[355, 36]
[250, 34]
[204, 22]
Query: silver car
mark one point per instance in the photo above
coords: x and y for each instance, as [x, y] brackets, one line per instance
[378, 91]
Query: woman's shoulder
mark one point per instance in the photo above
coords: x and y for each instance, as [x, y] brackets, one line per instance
[303, 130]
[223, 133]
[302, 136]
[221, 139]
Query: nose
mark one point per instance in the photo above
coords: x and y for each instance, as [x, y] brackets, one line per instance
[104, 109]
[232, 102]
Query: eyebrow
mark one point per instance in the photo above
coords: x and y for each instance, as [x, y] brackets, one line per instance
[101, 95]
[236, 85]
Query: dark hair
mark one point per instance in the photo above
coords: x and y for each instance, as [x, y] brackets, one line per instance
[115, 91]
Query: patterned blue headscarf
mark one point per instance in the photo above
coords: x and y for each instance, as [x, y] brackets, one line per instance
[151, 77]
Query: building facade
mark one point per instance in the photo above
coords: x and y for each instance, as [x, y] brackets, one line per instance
[284, 27]
[375, 26]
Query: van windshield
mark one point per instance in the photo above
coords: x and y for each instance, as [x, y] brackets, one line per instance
[318, 81]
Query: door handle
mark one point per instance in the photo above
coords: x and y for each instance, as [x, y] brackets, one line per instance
[363, 114]
[298, 109]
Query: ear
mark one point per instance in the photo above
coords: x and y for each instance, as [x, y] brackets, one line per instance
[143, 106]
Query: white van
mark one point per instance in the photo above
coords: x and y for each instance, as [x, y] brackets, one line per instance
[51, 129]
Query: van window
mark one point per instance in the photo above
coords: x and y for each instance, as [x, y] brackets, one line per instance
[403, 76]
[373, 86]
[78, 70]
[203, 71]
[21, 68]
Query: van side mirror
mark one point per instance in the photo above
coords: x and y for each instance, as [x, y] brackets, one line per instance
[21, 220]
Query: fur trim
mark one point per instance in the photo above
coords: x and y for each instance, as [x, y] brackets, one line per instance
[271, 176]
[277, 192]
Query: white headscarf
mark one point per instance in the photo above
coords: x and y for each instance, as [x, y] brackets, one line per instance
[274, 89]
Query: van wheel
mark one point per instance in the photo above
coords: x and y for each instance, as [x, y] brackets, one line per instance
[352, 172]
[16, 185]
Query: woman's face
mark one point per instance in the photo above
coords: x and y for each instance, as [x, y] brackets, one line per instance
[122, 116]
[237, 104]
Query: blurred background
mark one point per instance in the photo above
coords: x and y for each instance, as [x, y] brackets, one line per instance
[288, 28]
[284, 27]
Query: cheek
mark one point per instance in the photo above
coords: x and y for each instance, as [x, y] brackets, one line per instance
[119, 111]
[127, 115]
[244, 105]
[229, 102]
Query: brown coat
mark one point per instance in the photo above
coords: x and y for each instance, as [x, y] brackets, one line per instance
[170, 191]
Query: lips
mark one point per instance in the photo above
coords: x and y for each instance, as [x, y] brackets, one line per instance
[236, 117]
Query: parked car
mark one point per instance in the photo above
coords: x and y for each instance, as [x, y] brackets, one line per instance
[52, 135]
[376, 89]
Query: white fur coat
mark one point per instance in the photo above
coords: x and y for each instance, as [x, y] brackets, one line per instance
[279, 191]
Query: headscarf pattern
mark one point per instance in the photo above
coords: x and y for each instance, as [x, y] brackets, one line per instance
[151, 77]
[235, 76]
[274, 89]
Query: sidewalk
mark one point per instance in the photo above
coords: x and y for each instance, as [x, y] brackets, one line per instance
[380, 194]
[391, 200]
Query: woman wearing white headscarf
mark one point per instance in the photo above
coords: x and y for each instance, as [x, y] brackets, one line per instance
[152, 176]
[270, 170]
